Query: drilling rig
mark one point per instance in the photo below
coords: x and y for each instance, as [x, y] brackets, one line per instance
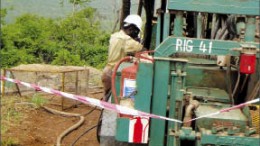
[205, 59]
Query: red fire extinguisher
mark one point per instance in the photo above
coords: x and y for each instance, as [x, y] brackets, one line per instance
[128, 81]
[127, 73]
[128, 87]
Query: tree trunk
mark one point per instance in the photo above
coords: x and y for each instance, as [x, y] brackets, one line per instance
[125, 11]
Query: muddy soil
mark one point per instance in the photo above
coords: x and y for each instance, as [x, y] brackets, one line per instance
[38, 127]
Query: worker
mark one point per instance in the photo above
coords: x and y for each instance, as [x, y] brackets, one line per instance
[121, 44]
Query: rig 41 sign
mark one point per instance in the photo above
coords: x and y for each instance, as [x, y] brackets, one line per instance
[188, 46]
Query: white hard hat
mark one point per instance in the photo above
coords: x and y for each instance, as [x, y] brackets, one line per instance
[134, 19]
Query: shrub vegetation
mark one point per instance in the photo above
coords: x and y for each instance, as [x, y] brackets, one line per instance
[74, 40]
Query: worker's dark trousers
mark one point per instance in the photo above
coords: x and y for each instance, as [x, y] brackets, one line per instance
[106, 80]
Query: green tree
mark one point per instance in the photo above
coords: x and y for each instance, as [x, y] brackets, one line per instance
[64, 57]
[30, 34]
[3, 13]
[74, 40]
[80, 34]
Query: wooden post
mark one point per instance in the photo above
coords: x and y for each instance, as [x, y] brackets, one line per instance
[16, 85]
[62, 89]
[76, 86]
[3, 84]
[87, 80]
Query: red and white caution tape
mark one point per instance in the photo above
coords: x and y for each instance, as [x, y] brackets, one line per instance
[227, 109]
[91, 101]
[119, 108]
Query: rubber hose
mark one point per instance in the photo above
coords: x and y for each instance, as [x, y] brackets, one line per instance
[231, 26]
[228, 74]
[86, 131]
[113, 88]
[215, 29]
[237, 83]
[105, 98]
[70, 129]
[244, 83]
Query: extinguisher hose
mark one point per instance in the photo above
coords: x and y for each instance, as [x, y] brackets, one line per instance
[113, 88]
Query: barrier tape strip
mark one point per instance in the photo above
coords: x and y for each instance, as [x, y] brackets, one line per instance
[227, 109]
[119, 108]
[92, 101]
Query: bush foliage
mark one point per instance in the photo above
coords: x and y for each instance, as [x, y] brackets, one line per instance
[74, 40]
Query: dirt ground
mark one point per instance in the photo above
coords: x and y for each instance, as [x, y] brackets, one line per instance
[38, 127]
[23, 124]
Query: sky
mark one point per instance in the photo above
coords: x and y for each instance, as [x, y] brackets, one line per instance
[107, 9]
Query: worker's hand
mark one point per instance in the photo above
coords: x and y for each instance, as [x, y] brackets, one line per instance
[146, 58]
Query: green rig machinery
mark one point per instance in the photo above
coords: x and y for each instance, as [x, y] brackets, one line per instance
[205, 58]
